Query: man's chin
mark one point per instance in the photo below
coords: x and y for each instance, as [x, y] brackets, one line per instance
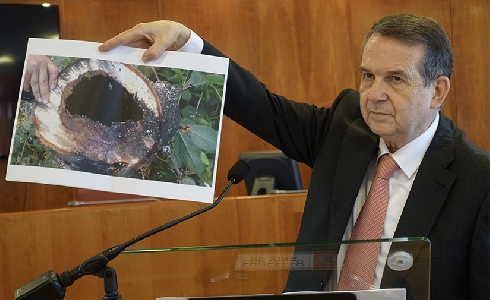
[381, 129]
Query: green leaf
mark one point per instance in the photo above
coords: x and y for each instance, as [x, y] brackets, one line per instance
[207, 177]
[187, 153]
[161, 169]
[217, 79]
[204, 121]
[189, 112]
[186, 95]
[17, 143]
[204, 137]
[62, 61]
[26, 124]
[214, 97]
[197, 78]
[187, 121]
[204, 159]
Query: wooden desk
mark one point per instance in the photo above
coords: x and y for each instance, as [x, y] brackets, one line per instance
[34, 242]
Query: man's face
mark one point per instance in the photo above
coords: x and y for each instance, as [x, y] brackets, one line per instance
[394, 102]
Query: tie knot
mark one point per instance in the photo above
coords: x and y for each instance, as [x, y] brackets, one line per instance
[386, 166]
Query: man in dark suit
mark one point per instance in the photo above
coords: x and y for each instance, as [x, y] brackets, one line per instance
[441, 189]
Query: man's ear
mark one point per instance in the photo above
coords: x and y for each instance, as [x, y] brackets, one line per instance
[441, 88]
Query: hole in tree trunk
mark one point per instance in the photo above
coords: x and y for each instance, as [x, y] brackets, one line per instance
[103, 99]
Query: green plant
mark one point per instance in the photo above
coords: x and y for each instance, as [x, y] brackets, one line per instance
[193, 149]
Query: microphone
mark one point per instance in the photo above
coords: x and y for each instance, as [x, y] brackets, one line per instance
[51, 286]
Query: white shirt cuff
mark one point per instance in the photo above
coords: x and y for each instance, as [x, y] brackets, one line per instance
[193, 45]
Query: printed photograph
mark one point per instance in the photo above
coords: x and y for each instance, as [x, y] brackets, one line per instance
[111, 118]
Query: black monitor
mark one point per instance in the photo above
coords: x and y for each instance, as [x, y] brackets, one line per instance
[18, 23]
[271, 172]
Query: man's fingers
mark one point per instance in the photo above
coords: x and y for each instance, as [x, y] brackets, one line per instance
[157, 37]
[53, 75]
[43, 84]
[166, 40]
[132, 37]
[112, 42]
[34, 83]
[154, 51]
[40, 77]
[39, 81]
[27, 82]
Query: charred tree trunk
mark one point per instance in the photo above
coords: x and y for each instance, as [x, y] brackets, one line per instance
[106, 117]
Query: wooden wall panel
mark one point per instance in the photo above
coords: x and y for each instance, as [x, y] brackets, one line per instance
[59, 240]
[302, 56]
[97, 21]
[306, 50]
[12, 194]
[471, 44]
[39, 196]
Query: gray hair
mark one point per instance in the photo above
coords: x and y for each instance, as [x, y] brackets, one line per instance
[438, 59]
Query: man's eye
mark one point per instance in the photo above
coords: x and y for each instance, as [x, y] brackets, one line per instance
[396, 78]
[368, 76]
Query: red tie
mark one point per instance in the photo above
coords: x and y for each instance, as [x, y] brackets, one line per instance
[361, 259]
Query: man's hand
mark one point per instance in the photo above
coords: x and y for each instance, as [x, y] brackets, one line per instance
[41, 75]
[157, 37]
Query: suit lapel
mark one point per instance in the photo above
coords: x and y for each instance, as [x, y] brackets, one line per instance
[429, 190]
[427, 196]
[358, 147]
[431, 186]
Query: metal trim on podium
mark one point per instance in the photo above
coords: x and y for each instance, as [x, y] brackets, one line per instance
[267, 271]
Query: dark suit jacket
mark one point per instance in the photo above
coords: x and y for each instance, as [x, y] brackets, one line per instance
[448, 202]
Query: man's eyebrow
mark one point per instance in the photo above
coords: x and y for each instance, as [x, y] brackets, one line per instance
[363, 69]
[393, 72]
[398, 72]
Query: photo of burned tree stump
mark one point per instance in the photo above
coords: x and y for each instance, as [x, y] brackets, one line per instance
[139, 121]
[107, 117]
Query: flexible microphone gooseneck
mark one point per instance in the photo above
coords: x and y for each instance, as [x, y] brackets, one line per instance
[50, 286]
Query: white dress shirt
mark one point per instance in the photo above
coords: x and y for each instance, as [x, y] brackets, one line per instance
[193, 45]
[408, 158]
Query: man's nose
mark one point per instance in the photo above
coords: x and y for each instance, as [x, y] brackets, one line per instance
[378, 90]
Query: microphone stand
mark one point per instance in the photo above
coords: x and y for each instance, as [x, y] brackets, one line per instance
[102, 270]
[110, 283]
[49, 286]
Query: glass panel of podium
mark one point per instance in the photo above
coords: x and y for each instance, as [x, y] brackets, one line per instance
[266, 269]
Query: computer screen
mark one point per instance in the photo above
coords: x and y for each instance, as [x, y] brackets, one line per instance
[271, 172]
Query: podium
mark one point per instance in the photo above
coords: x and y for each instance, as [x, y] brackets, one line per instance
[168, 264]
[299, 296]
[267, 269]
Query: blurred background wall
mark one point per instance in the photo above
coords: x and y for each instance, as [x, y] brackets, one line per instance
[307, 50]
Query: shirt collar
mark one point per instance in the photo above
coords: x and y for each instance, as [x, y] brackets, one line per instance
[410, 156]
